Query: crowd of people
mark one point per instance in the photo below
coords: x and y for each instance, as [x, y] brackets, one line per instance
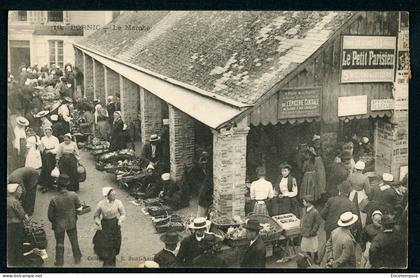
[353, 211]
[42, 150]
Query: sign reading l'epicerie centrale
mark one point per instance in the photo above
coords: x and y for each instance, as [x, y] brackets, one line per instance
[368, 59]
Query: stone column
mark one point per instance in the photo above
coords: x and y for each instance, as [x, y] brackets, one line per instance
[112, 82]
[84, 74]
[151, 114]
[130, 105]
[229, 169]
[78, 59]
[100, 83]
[88, 78]
[181, 142]
[105, 76]
[94, 79]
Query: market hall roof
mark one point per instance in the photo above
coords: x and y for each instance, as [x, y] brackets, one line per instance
[238, 55]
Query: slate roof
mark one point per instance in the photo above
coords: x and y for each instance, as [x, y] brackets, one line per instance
[239, 55]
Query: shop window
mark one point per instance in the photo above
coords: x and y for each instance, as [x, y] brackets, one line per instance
[56, 53]
[22, 16]
[55, 16]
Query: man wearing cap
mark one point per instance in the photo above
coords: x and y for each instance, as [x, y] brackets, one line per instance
[63, 217]
[335, 206]
[388, 249]
[192, 246]
[385, 193]
[254, 256]
[15, 229]
[152, 150]
[27, 178]
[210, 258]
[341, 246]
[166, 258]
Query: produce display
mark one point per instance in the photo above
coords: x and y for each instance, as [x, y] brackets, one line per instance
[289, 223]
[236, 233]
[270, 228]
[35, 234]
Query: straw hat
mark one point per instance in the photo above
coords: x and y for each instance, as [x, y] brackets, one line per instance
[42, 114]
[54, 117]
[199, 223]
[22, 121]
[68, 99]
[154, 138]
[316, 137]
[347, 219]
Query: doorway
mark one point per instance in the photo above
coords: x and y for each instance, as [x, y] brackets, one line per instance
[20, 56]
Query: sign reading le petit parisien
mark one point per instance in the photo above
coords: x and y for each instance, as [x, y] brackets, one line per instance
[368, 59]
[299, 103]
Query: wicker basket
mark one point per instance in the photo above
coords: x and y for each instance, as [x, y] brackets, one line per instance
[100, 166]
[237, 242]
[267, 219]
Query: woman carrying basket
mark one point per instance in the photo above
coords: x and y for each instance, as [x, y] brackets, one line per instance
[67, 161]
[109, 216]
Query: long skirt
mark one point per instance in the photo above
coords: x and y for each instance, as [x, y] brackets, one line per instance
[107, 242]
[284, 205]
[104, 129]
[309, 186]
[68, 165]
[15, 239]
[309, 244]
[261, 207]
[48, 164]
[21, 155]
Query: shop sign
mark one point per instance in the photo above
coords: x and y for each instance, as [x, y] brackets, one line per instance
[58, 30]
[353, 105]
[368, 59]
[299, 103]
[382, 104]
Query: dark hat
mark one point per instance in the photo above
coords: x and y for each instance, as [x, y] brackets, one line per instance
[285, 165]
[388, 220]
[345, 187]
[211, 240]
[253, 225]
[170, 237]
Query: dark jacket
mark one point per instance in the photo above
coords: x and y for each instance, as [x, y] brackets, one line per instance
[255, 255]
[62, 211]
[338, 174]
[166, 259]
[310, 223]
[387, 250]
[209, 260]
[334, 207]
[387, 197]
[147, 152]
[341, 247]
[118, 138]
[27, 177]
[368, 234]
[190, 249]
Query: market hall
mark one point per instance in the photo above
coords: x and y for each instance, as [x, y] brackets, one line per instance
[247, 89]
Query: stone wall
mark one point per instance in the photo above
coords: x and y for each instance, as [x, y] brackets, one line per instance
[181, 141]
[151, 114]
[112, 82]
[88, 77]
[130, 107]
[99, 82]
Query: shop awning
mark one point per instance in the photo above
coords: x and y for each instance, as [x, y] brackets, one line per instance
[372, 114]
[210, 112]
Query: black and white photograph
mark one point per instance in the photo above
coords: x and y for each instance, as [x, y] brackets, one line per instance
[185, 139]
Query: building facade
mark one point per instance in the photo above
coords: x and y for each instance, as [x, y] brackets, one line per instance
[47, 37]
[259, 82]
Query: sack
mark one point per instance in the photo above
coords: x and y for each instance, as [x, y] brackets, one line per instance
[81, 172]
[55, 172]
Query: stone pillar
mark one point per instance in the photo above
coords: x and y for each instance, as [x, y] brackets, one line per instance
[151, 114]
[181, 142]
[112, 82]
[130, 105]
[104, 69]
[84, 73]
[94, 78]
[229, 169]
[89, 78]
[99, 82]
[78, 59]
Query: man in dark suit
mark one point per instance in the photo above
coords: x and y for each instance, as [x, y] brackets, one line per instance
[337, 205]
[152, 151]
[26, 177]
[339, 173]
[166, 258]
[255, 254]
[387, 248]
[192, 246]
[63, 217]
[210, 258]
